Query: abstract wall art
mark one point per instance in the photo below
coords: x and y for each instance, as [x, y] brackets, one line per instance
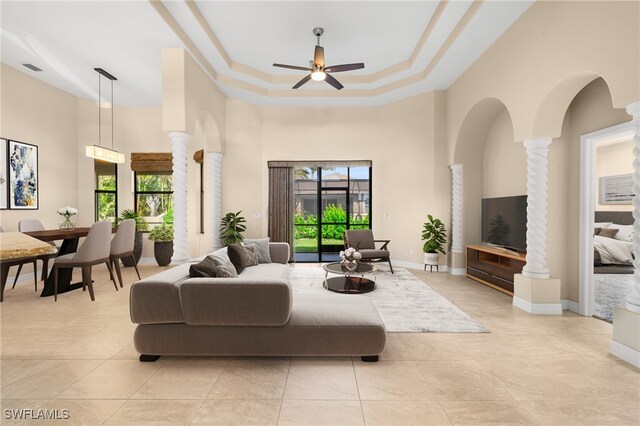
[23, 175]
[4, 181]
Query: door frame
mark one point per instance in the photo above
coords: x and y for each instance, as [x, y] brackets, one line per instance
[588, 144]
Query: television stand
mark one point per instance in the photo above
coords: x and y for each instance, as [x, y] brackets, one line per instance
[494, 266]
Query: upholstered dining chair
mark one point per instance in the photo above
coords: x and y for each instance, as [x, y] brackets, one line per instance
[122, 246]
[363, 241]
[28, 225]
[94, 250]
[19, 263]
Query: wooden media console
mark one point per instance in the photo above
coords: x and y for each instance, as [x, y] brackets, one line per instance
[494, 267]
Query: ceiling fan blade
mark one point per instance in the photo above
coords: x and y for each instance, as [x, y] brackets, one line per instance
[332, 81]
[344, 67]
[301, 82]
[292, 67]
[318, 56]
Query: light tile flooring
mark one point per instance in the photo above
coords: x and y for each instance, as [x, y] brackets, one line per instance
[77, 355]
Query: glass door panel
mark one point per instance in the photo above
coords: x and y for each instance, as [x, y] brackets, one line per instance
[359, 198]
[305, 243]
[333, 222]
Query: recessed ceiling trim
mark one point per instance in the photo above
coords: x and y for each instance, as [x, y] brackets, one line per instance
[283, 79]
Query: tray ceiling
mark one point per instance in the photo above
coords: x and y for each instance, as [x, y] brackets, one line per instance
[407, 47]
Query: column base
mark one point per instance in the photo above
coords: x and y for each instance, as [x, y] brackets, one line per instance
[537, 295]
[625, 343]
[458, 263]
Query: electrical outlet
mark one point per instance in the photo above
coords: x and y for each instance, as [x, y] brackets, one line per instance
[386, 215]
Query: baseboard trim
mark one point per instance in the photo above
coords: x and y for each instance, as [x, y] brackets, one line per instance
[458, 271]
[625, 353]
[570, 305]
[414, 265]
[538, 308]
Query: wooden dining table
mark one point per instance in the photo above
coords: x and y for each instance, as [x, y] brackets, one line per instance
[70, 240]
[16, 248]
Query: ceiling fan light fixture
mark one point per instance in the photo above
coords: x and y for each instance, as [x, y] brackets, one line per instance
[318, 75]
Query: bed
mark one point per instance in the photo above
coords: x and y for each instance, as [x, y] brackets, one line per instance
[613, 255]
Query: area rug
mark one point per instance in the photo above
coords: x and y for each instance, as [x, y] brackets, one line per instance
[404, 303]
[611, 290]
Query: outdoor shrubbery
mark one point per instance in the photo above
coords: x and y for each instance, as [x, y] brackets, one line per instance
[332, 213]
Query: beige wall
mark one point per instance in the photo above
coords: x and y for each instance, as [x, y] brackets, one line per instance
[612, 160]
[36, 113]
[398, 138]
[505, 161]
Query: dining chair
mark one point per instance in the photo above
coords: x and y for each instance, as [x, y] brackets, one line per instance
[28, 225]
[93, 251]
[122, 246]
[19, 263]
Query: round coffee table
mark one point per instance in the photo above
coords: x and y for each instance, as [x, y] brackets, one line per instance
[347, 282]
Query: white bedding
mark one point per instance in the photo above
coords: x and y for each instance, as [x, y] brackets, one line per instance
[613, 251]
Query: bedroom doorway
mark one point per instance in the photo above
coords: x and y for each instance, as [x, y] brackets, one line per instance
[606, 220]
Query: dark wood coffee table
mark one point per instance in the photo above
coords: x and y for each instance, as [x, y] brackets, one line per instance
[350, 282]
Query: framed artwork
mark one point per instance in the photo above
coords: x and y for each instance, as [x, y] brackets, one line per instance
[23, 176]
[616, 189]
[4, 181]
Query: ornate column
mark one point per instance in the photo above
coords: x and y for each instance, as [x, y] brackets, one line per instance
[179, 141]
[214, 168]
[456, 208]
[534, 291]
[625, 341]
[537, 185]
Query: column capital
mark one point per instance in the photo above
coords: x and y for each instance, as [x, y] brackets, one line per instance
[538, 143]
[633, 109]
[177, 136]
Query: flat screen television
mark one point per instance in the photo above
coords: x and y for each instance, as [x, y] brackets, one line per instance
[504, 222]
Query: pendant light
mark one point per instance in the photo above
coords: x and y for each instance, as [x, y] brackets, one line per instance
[100, 152]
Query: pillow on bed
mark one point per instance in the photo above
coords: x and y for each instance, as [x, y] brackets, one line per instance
[602, 224]
[596, 231]
[609, 233]
[625, 232]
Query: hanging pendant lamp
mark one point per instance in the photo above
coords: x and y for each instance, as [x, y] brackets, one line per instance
[100, 152]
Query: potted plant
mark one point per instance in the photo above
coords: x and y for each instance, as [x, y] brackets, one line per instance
[141, 225]
[162, 237]
[231, 228]
[434, 237]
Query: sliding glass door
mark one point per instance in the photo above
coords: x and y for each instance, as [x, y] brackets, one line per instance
[329, 201]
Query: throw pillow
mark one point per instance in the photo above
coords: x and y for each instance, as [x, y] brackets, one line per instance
[596, 231]
[220, 256]
[250, 255]
[625, 232]
[602, 224]
[609, 233]
[226, 270]
[262, 249]
[236, 254]
[206, 268]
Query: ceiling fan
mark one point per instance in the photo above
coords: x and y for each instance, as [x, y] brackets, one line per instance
[317, 67]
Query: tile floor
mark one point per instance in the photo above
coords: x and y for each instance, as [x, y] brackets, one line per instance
[77, 355]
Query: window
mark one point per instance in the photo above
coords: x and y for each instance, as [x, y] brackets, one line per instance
[106, 193]
[154, 196]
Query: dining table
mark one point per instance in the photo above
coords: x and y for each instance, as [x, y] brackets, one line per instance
[16, 248]
[70, 238]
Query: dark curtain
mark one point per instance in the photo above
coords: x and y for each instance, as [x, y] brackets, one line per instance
[281, 206]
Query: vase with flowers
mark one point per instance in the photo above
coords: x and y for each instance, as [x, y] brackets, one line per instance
[350, 258]
[67, 220]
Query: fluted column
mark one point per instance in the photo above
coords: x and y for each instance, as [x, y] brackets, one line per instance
[214, 167]
[633, 298]
[179, 141]
[537, 185]
[456, 208]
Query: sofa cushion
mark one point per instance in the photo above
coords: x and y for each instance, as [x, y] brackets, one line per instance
[250, 255]
[374, 254]
[262, 248]
[266, 270]
[236, 254]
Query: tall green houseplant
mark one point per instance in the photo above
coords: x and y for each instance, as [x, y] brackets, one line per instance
[434, 235]
[231, 228]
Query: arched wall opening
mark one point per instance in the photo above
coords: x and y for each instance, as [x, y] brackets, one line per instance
[485, 134]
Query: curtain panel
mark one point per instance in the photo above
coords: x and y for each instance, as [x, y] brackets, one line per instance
[281, 206]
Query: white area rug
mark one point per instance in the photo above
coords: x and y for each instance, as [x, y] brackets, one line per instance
[404, 303]
[611, 291]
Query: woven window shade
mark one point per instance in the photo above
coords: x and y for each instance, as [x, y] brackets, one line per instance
[151, 162]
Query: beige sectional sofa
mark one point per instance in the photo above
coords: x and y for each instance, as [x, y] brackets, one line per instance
[254, 314]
